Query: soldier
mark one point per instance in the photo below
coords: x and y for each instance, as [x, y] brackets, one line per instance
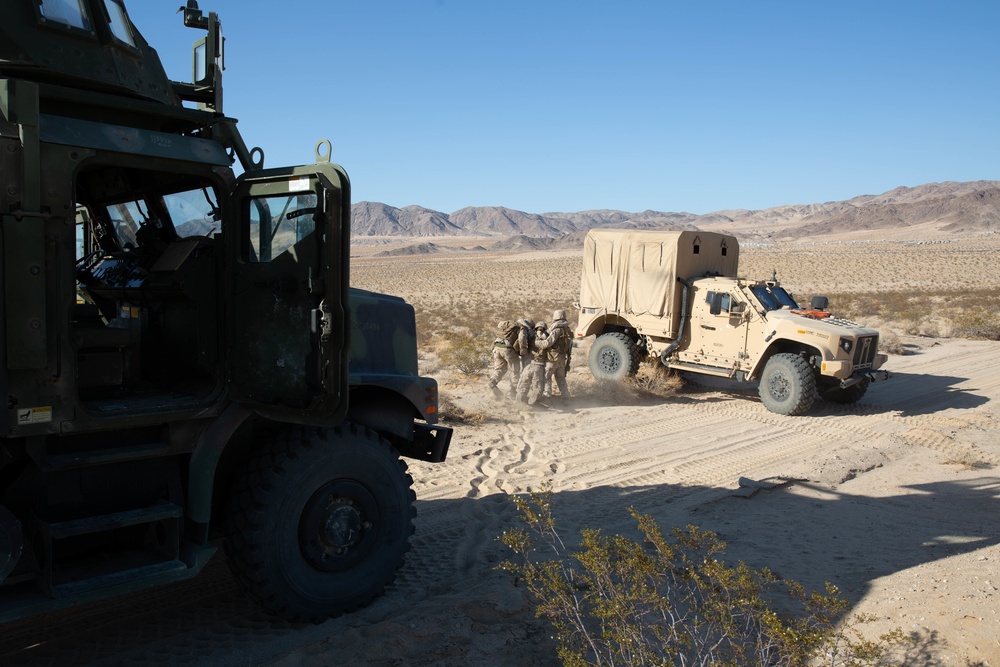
[505, 357]
[558, 346]
[533, 375]
[525, 335]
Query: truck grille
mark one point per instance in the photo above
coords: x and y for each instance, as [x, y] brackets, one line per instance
[864, 351]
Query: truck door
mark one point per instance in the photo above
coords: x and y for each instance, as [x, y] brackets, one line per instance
[718, 328]
[287, 282]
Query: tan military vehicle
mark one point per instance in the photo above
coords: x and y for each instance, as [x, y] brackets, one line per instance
[676, 297]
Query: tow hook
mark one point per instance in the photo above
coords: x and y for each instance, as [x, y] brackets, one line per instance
[871, 376]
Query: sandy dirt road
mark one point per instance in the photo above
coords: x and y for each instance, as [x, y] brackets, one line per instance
[896, 500]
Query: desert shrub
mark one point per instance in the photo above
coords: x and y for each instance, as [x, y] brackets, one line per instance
[617, 601]
[980, 324]
[450, 412]
[959, 313]
[467, 354]
[429, 363]
[655, 378]
[889, 342]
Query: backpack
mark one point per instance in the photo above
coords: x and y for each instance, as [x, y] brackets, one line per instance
[510, 333]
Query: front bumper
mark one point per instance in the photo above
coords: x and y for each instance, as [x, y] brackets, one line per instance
[860, 376]
[430, 443]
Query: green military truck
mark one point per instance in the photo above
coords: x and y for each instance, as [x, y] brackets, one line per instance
[184, 363]
[674, 297]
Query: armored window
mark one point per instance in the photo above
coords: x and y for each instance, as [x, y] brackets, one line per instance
[193, 213]
[737, 311]
[277, 223]
[718, 302]
[773, 297]
[783, 297]
[118, 21]
[68, 12]
[126, 218]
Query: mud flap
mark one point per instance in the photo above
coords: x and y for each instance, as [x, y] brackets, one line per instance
[430, 443]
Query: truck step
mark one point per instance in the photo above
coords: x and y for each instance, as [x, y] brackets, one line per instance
[102, 456]
[136, 578]
[700, 368]
[24, 599]
[96, 524]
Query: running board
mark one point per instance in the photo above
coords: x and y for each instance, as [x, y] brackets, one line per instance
[96, 524]
[132, 579]
[706, 370]
[24, 600]
[96, 457]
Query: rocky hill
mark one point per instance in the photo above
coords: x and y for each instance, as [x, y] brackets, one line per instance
[948, 207]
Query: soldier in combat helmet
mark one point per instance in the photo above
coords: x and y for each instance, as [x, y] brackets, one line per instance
[525, 336]
[506, 357]
[558, 346]
[533, 374]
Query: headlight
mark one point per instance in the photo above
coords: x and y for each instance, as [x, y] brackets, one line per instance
[846, 344]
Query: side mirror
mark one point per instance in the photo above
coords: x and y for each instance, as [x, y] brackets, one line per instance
[819, 303]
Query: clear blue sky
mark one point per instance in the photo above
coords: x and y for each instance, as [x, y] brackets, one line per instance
[566, 106]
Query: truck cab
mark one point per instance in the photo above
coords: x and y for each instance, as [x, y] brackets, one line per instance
[185, 364]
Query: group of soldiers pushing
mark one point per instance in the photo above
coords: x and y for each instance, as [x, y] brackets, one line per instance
[534, 355]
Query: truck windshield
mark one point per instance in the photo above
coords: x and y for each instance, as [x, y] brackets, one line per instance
[773, 298]
[126, 218]
[193, 213]
[68, 12]
[190, 213]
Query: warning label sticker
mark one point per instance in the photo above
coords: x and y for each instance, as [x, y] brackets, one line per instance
[298, 185]
[41, 415]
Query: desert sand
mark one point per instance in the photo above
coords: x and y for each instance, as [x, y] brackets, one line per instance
[895, 500]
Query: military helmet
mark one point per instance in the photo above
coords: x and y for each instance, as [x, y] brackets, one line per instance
[559, 315]
[526, 322]
[504, 325]
[541, 325]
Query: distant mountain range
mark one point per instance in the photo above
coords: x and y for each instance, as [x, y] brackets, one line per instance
[950, 207]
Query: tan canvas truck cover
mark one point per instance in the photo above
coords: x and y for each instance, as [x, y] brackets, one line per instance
[634, 274]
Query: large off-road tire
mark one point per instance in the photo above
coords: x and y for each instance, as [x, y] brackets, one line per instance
[787, 385]
[852, 394]
[318, 521]
[613, 356]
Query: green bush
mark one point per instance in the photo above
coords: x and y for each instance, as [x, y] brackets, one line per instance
[624, 603]
[467, 354]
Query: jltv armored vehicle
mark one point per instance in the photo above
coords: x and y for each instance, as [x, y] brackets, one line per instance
[183, 360]
[675, 297]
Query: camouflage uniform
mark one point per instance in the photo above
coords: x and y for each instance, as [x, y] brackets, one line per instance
[533, 375]
[505, 358]
[525, 336]
[558, 346]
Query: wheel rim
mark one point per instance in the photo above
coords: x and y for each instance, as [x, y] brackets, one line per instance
[339, 525]
[778, 387]
[609, 360]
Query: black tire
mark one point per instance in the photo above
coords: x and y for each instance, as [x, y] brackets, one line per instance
[318, 521]
[613, 356]
[852, 394]
[787, 385]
